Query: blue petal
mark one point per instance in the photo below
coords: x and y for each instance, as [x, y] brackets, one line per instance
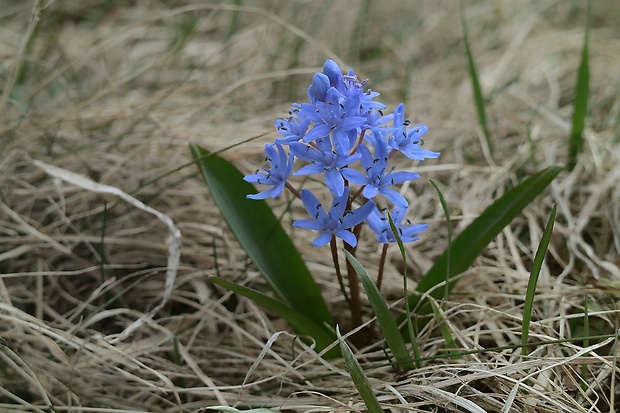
[401, 176]
[334, 181]
[354, 176]
[311, 203]
[322, 239]
[370, 191]
[318, 88]
[394, 197]
[347, 236]
[313, 168]
[339, 204]
[308, 224]
[352, 219]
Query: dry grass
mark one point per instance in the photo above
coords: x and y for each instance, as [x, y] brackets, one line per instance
[115, 91]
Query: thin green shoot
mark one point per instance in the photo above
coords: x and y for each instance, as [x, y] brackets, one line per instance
[359, 378]
[388, 325]
[582, 90]
[532, 282]
[445, 330]
[446, 212]
[475, 83]
[412, 335]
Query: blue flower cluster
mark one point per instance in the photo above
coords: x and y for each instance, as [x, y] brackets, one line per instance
[340, 127]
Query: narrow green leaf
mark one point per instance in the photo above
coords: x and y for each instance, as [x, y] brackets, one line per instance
[582, 90]
[358, 377]
[446, 212]
[412, 334]
[387, 323]
[262, 237]
[532, 282]
[302, 324]
[475, 83]
[445, 331]
[474, 239]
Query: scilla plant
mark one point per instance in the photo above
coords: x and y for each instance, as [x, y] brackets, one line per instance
[345, 139]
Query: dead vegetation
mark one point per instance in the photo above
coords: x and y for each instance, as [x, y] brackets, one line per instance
[91, 319]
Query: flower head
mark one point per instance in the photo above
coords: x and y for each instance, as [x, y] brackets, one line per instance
[324, 159]
[336, 222]
[380, 225]
[378, 178]
[281, 166]
[409, 142]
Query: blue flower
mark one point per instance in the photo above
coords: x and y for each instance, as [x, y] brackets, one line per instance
[281, 166]
[293, 128]
[380, 225]
[318, 88]
[409, 141]
[378, 177]
[324, 159]
[336, 222]
[336, 116]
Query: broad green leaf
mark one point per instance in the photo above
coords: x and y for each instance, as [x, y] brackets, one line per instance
[358, 377]
[302, 324]
[475, 83]
[533, 281]
[387, 323]
[466, 247]
[262, 237]
[580, 109]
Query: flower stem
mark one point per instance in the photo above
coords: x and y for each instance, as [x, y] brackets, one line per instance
[334, 249]
[382, 265]
[293, 190]
[354, 289]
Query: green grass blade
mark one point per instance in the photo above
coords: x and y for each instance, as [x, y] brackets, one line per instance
[446, 212]
[473, 240]
[450, 344]
[412, 333]
[475, 83]
[302, 324]
[358, 377]
[262, 237]
[392, 335]
[580, 110]
[531, 284]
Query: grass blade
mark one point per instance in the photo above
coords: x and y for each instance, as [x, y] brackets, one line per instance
[531, 284]
[475, 83]
[412, 334]
[446, 212]
[358, 377]
[473, 240]
[582, 90]
[450, 344]
[302, 324]
[262, 237]
[392, 335]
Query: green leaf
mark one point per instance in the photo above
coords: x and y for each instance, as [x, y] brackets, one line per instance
[445, 331]
[358, 377]
[387, 323]
[466, 247]
[475, 83]
[531, 284]
[412, 334]
[262, 237]
[582, 90]
[302, 324]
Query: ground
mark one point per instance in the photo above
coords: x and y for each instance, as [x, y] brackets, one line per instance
[96, 314]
